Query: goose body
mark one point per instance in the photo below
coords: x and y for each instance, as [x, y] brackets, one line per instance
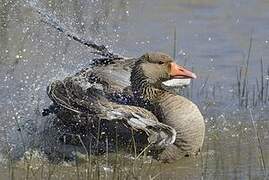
[185, 117]
[128, 94]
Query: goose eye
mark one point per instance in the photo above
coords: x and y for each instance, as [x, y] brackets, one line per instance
[160, 62]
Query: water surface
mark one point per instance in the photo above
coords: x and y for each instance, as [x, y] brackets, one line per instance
[212, 37]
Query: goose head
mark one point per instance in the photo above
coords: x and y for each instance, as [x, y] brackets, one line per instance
[156, 68]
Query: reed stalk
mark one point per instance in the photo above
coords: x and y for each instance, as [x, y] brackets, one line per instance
[259, 143]
[175, 43]
[244, 90]
[262, 82]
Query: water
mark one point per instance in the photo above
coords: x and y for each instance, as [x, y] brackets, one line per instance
[212, 37]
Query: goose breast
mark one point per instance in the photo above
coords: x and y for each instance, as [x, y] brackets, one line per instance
[185, 117]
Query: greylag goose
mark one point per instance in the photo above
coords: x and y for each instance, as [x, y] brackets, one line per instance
[125, 98]
[172, 125]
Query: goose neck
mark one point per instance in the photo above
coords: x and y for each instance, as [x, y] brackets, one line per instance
[145, 88]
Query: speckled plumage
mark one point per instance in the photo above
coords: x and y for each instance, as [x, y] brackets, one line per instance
[172, 124]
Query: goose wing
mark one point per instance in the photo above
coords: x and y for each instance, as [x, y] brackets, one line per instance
[115, 75]
[81, 102]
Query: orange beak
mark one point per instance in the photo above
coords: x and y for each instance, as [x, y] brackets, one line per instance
[178, 72]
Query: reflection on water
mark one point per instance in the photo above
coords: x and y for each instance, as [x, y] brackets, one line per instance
[212, 37]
